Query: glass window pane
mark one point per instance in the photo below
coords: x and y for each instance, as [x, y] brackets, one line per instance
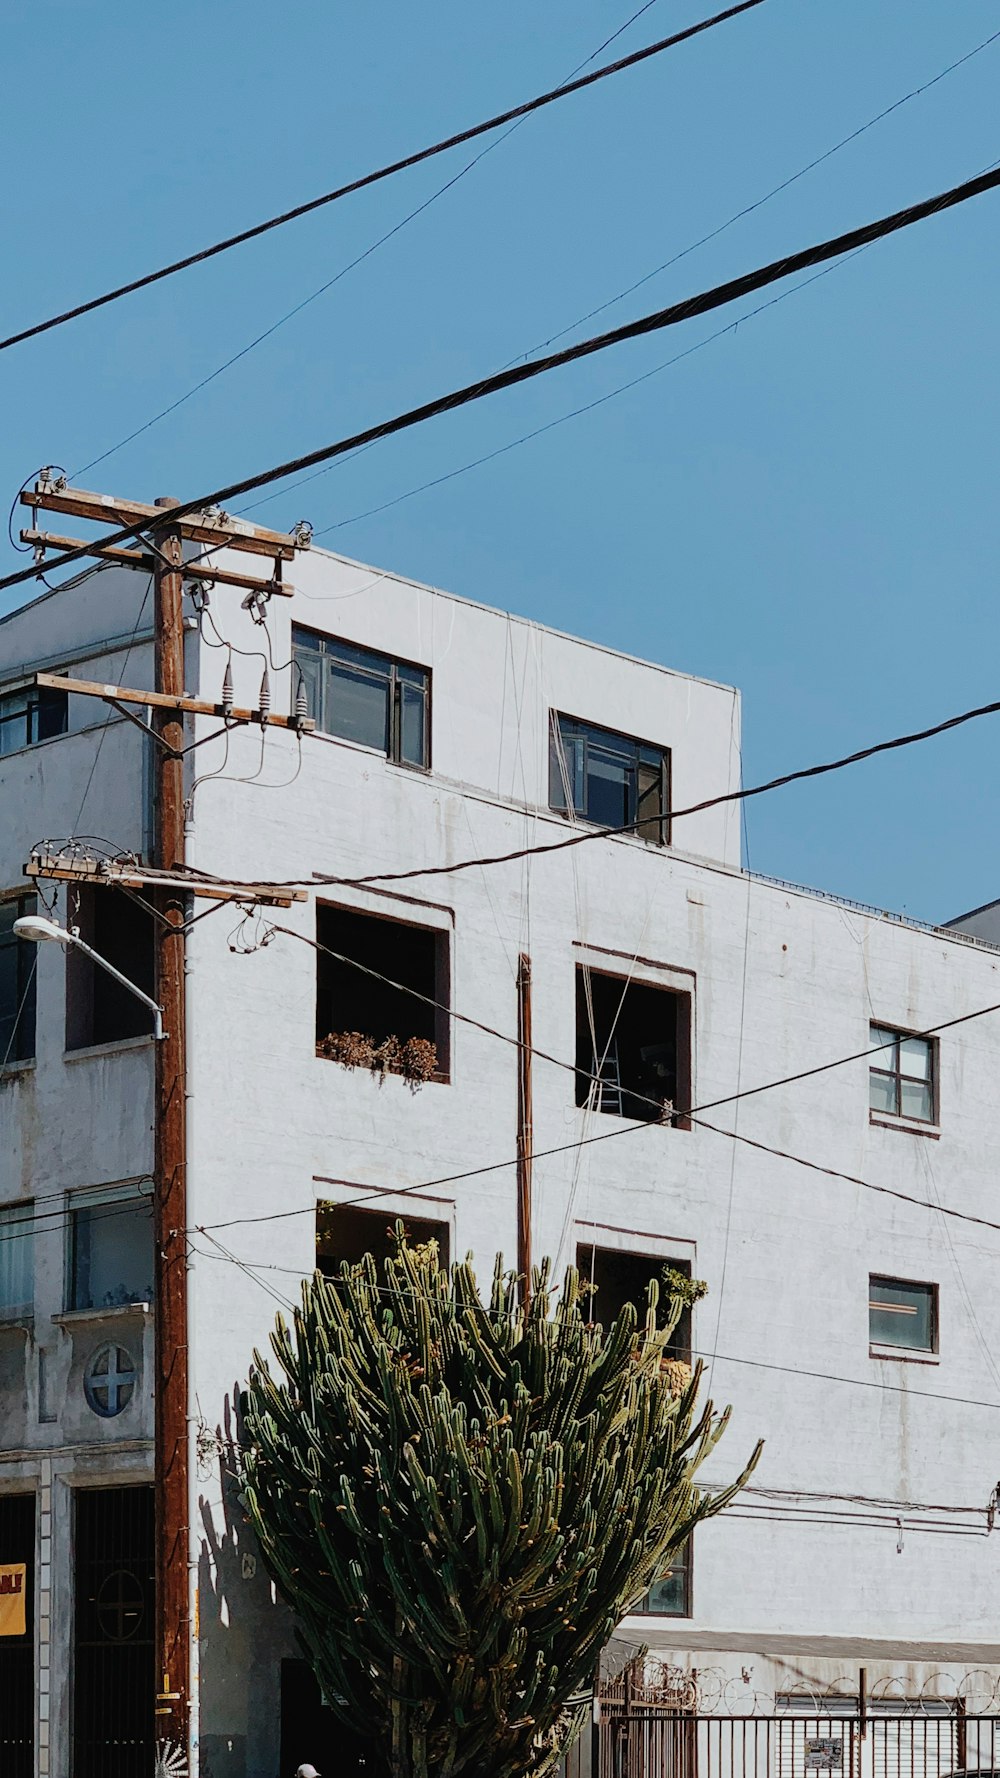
[17, 984]
[901, 1314]
[412, 726]
[877, 1034]
[609, 783]
[357, 706]
[305, 641]
[566, 758]
[882, 1092]
[113, 1254]
[13, 721]
[16, 1282]
[417, 676]
[51, 715]
[363, 658]
[669, 1596]
[307, 673]
[915, 1057]
[917, 1099]
[650, 803]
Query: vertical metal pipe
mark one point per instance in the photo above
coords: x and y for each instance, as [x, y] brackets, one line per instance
[170, 1211]
[524, 1125]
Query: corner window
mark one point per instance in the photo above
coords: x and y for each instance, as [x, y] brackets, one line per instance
[31, 714]
[633, 1047]
[608, 778]
[901, 1314]
[613, 1279]
[343, 1233]
[16, 1255]
[17, 983]
[111, 1249]
[99, 1009]
[670, 1596]
[382, 991]
[362, 696]
[902, 1079]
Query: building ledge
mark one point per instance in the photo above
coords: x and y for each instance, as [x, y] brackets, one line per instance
[105, 1312]
[14, 1070]
[674, 1634]
[884, 1120]
[109, 1049]
[23, 1324]
[900, 1355]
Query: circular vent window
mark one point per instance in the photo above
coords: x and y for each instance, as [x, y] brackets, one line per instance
[109, 1380]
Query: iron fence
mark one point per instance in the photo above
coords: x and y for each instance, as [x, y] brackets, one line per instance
[933, 1740]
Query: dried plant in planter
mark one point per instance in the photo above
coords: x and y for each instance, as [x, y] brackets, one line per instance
[415, 1058]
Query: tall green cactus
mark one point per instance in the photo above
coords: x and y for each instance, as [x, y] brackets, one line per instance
[460, 1502]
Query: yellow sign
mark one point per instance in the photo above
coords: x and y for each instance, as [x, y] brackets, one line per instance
[13, 1588]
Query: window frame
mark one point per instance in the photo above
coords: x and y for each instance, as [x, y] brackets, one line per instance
[686, 1553]
[663, 821]
[878, 1114]
[36, 700]
[684, 1014]
[442, 1009]
[23, 1210]
[327, 646]
[132, 1192]
[587, 1260]
[888, 1349]
[25, 901]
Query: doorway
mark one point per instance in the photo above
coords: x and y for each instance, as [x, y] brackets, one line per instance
[113, 1677]
[17, 1650]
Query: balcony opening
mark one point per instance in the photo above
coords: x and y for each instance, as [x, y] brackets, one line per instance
[99, 1009]
[382, 992]
[344, 1233]
[617, 1278]
[633, 1048]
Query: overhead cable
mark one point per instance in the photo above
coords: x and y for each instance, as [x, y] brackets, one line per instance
[717, 297]
[385, 172]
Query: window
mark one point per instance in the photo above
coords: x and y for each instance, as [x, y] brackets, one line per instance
[111, 1249]
[109, 1381]
[902, 1079]
[619, 1278]
[609, 778]
[670, 1596]
[31, 714]
[384, 1025]
[343, 1233]
[363, 696]
[99, 1009]
[903, 1314]
[633, 1047]
[17, 983]
[16, 1253]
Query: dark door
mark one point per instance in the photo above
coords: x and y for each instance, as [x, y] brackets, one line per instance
[310, 1733]
[17, 1653]
[113, 1679]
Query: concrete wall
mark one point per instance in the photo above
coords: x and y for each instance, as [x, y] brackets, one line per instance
[781, 980]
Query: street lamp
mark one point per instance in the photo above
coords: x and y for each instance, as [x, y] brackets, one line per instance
[34, 928]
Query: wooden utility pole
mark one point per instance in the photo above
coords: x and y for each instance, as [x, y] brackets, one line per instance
[525, 1136]
[170, 1158]
[160, 550]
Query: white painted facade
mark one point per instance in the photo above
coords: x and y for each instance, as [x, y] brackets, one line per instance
[781, 980]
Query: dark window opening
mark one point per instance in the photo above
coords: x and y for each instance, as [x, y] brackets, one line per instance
[670, 1595]
[903, 1314]
[18, 959]
[111, 1252]
[633, 1048]
[619, 1278]
[31, 714]
[99, 1009]
[343, 1233]
[362, 696]
[608, 778]
[391, 1012]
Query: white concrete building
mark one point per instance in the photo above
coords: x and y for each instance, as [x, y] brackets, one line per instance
[856, 1331]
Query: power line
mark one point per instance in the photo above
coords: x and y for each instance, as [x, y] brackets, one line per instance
[689, 307]
[385, 172]
[325, 880]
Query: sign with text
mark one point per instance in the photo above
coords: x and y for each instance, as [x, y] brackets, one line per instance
[13, 1590]
[825, 1754]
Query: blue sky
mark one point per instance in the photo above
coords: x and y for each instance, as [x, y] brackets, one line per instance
[806, 507]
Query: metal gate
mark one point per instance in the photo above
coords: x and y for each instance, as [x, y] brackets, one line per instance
[644, 1741]
[113, 1679]
[17, 1652]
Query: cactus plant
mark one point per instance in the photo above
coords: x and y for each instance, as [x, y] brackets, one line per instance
[461, 1499]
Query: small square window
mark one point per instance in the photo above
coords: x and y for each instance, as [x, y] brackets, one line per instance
[670, 1596]
[902, 1314]
[18, 961]
[363, 696]
[613, 1278]
[609, 778]
[99, 1009]
[902, 1078]
[16, 1261]
[111, 1250]
[31, 714]
[382, 994]
[346, 1234]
